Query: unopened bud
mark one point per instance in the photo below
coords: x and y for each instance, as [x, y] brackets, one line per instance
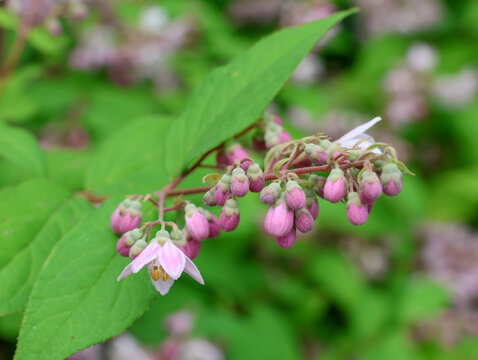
[357, 212]
[126, 217]
[208, 198]
[222, 190]
[334, 189]
[317, 154]
[304, 221]
[371, 186]
[230, 215]
[391, 179]
[279, 219]
[294, 195]
[214, 225]
[288, 240]
[270, 193]
[256, 178]
[196, 223]
[239, 183]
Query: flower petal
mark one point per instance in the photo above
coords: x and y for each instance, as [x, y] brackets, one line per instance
[193, 271]
[148, 254]
[172, 260]
[126, 271]
[163, 286]
[359, 130]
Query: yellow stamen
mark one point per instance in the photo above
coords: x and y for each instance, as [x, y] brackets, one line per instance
[156, 274]
[165, 276]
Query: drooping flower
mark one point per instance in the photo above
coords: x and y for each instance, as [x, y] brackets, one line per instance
[165, 264]
[357, 212]
[392, 179]
[370, 186]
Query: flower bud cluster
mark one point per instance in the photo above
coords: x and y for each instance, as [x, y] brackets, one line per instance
[352, 170]
[291, 209]
[235, 183]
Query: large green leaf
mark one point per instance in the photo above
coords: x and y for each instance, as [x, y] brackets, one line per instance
[130, 161]
[19, 146]
[232, 97]
[25, 210]
[19, 274]
[76, 301]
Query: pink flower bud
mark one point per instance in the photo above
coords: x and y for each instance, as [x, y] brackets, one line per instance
[270, 193]
[311, 203]
[288, 240]
[208, 198]
[122, 248]
[277, 120]
[294, 195]
[334, 189]
[391, 179]
[279, 219]
[304, 221]
[317, 154]
[284, 136]
[222, 190]
[237, 152]
[214, 225]
[370, 186]
[357, 212]
[239, 183]
[126, 217]
[230, 215]
[256, 178]
[192, 248]
[196, 223]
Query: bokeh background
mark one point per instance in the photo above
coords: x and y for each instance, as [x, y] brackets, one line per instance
[403, 286]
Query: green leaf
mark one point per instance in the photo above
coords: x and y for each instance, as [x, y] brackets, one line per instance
[16, 104]
[130, 160]
[19, 274]
[68, 167]
[345, 286]
[76, 301]
[19, 146]
[232, 97]
[24, 211]
[421, 300]
[42, 40]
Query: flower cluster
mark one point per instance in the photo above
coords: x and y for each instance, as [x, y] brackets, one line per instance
[295, 174]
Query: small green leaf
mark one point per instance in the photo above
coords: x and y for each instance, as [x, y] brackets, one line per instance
[211, 178]
[76, 301]
[233, 97]
[130, 160]
[42, 40]
[16, 103]
[19, 146]
[19, 274]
